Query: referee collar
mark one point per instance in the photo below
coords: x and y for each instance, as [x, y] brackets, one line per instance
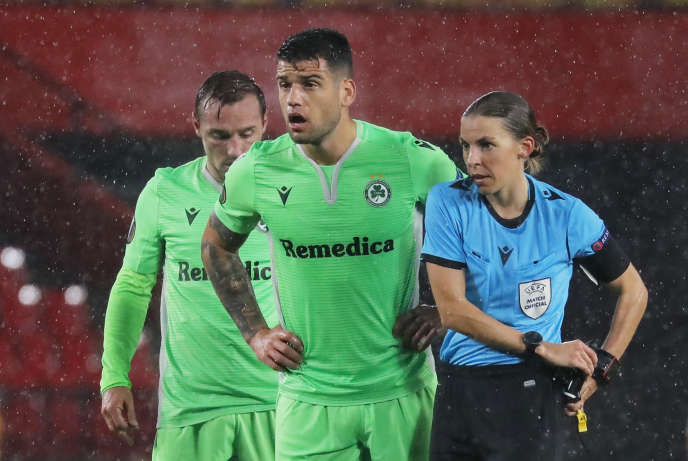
[513, 223]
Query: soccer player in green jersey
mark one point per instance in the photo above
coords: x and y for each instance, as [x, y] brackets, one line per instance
[216, 400]
[340, 198]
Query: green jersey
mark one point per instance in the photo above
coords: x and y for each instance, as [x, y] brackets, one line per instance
[345, 241]
[206, 368]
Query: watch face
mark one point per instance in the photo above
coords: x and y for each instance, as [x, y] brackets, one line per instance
[532, 337]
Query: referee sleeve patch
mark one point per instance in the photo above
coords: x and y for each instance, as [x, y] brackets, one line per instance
[608, 262]
[442, 261]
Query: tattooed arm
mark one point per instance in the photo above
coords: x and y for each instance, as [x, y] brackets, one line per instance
[278, 348]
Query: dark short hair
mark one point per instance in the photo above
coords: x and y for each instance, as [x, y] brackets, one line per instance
[517, 117]
[228, 87]
[328, 44]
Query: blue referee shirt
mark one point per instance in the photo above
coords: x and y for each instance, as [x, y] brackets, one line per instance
[517, 270]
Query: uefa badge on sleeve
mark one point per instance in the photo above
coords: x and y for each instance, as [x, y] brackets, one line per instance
[377, 193]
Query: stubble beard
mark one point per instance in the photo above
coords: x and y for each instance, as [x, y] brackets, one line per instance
[317, 137]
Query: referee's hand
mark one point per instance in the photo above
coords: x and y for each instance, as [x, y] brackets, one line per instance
[587, 390]
[118, 411]
[571, 354]
[418, 327]
[278, 348]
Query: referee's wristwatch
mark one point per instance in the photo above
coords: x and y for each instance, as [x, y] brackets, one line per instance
[532, 339]
[607, 367]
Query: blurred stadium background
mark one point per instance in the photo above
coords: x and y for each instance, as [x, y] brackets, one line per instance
[94, 96]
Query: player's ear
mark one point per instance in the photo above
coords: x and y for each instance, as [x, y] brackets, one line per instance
[265, 123]
[196, 124]
[347, 91]
[526, 147]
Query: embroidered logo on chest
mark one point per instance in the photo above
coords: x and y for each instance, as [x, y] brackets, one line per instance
[377, 193]
[535, 297]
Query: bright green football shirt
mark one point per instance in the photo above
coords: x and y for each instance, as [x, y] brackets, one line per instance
[206, 368]
[345, 242]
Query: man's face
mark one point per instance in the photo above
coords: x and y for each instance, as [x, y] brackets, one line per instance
[227, 136]
[311, 99]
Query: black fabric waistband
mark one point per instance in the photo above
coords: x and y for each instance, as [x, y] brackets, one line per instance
[492, 370]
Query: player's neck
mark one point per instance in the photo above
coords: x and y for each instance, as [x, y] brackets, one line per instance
[220, 178]
[510, 201]
[334, 145]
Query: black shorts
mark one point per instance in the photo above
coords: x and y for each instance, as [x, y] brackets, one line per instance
[499, 412]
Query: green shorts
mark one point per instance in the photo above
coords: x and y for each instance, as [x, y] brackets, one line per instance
[397, 429]
[241, 437]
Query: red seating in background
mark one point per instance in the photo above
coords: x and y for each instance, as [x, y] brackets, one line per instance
[65, 321]
[50, 354]
[40, 358]
[11, 280]
[20, 319]
[67, 432]
[11, 370]
[26, 425]
[81, 362]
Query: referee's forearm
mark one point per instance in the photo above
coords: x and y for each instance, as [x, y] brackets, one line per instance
[464, 317]
[630, 307]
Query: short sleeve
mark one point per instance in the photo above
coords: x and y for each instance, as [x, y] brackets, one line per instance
[587, 233]
[235, 207]
[144, 243]
[429, 166]
[443, 244]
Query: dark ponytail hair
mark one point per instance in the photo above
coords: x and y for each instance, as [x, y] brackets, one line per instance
[518, 119]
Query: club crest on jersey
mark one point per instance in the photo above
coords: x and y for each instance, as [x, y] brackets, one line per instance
[377, 193]
[535, 296]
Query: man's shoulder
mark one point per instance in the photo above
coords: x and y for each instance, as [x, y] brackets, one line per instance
[270, 147]
[375, 133]
[168, 182]
[179, 174]
[261, 153]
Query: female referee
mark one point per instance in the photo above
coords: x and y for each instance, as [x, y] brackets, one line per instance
[499, 248]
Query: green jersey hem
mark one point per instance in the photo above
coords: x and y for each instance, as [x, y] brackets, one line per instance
[210, 415]
[427, 378]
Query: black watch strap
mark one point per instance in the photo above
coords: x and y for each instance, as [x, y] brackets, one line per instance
[607, 367]
[532, 339]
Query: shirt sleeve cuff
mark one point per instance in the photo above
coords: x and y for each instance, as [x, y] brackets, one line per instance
[442, 261]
